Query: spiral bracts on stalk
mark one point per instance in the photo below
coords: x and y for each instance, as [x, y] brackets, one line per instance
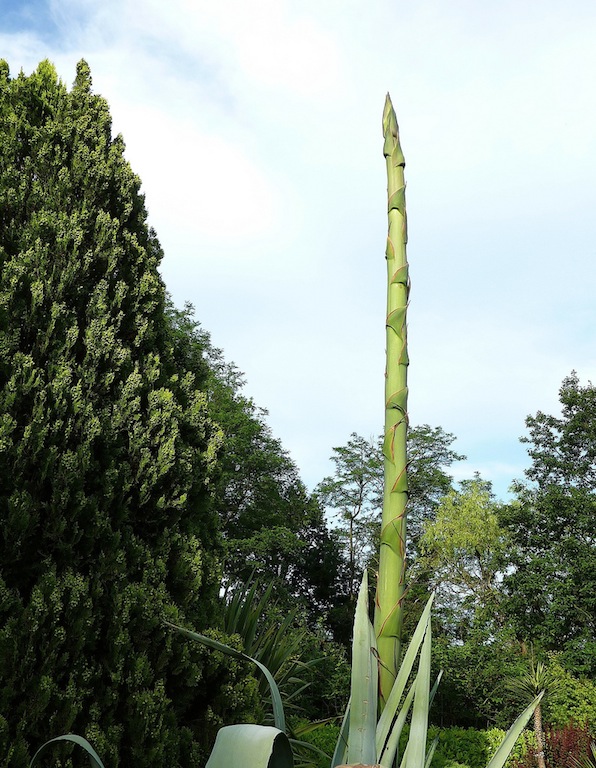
[392, 559]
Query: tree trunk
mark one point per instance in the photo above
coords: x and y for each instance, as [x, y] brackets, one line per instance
[538, 733]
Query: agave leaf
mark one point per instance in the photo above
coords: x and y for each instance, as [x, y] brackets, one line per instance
[94, 758]
[257, 746]
[419, 725]
[404, 758]
[308, 726]
[431, 752]
[434, 688]
[363, 715]
[278, 710]
[243, 611]
[308, 747]
[302, 748]
[341, 748]
[390, 750]
[387, 756]
[512, 735]
[391, 705]
[277, 645]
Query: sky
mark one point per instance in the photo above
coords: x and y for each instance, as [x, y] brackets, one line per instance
[255, 126]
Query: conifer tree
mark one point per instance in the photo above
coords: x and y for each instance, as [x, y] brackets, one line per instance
[105, 451]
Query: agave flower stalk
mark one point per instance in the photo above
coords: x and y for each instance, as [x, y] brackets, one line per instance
[392, 555]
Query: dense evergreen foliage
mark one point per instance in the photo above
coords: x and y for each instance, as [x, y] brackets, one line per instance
[106, 452]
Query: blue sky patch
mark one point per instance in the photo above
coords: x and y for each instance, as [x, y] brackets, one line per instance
[34, 16]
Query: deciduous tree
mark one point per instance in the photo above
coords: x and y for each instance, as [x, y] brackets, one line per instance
[464, 551]
[272, 527]
[355, 490]
[430, 455]
[552, 586]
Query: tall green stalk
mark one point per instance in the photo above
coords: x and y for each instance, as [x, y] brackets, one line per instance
[392, 556]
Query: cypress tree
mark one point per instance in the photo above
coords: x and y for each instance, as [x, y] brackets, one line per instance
[106, 452]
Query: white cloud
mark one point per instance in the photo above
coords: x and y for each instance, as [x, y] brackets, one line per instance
[264, 44]
[201, 182]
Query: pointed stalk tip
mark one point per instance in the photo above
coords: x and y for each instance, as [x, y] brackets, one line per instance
[390, 127]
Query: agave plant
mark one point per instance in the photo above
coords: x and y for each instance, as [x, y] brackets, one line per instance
[275, 643]
[538, 677]
[366, 738]
[371, 738]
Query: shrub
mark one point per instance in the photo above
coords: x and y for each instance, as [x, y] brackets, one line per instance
[573, 700]
[473, 748]
[566, 746]
[461, 745]
[457, 747]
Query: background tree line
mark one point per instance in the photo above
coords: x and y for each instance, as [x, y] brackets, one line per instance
[139, 482]
[507, 576]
